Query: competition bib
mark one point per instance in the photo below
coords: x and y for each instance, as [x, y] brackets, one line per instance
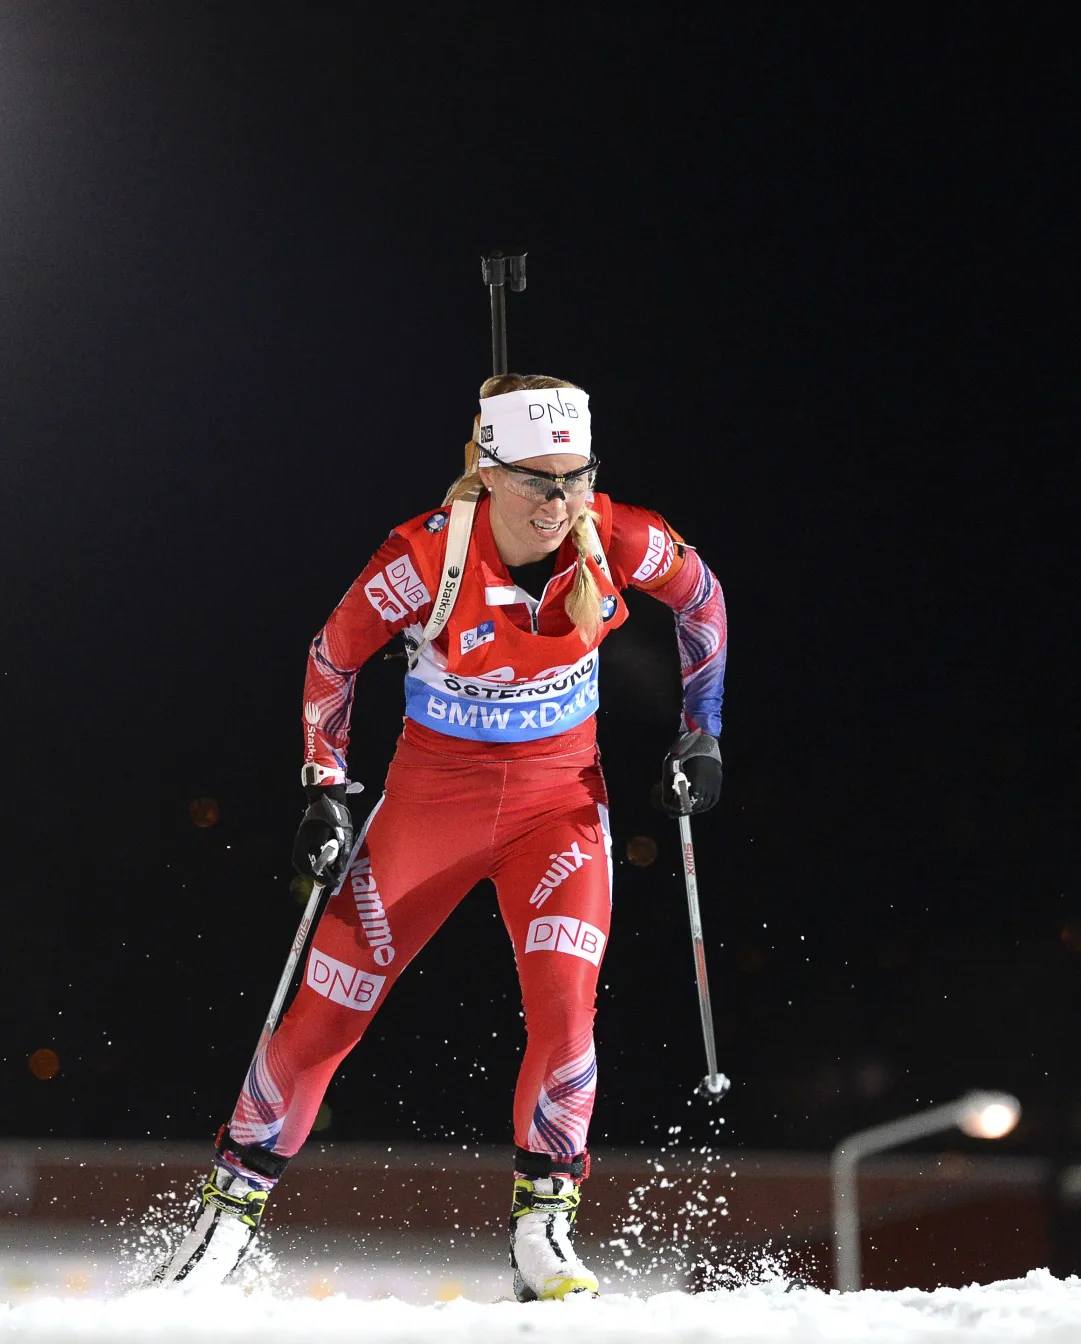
[496, 708]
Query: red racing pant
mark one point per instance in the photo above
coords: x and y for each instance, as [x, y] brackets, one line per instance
[539, 829]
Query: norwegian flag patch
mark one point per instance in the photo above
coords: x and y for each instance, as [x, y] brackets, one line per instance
[561, 436]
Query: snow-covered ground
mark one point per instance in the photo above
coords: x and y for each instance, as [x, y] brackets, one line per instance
[301, 1305]
[78, 1281]
[66, 1283]
[1037, 1308]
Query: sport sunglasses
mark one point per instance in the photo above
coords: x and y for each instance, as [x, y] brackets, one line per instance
[536, 484]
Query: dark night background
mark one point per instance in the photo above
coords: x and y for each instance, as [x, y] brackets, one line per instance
[817, 268]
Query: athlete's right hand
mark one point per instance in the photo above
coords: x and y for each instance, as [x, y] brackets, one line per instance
[327, 818]
[696, 756]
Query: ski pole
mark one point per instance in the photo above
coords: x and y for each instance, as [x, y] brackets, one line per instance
[327, 854]
[715, 1084]
[498, 268]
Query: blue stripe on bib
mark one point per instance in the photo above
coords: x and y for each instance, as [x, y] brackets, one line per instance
[486, 711]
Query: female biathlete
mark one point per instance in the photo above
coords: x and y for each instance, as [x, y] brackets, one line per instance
[503, 596]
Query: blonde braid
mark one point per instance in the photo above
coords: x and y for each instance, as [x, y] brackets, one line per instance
[583, 604]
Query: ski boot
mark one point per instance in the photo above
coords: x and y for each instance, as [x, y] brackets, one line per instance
[542, 1218]
[231, 1204]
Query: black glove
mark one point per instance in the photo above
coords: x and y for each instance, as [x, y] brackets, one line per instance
[327, 818]
[699, 757]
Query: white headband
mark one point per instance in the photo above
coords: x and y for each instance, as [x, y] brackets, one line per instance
[517, 425]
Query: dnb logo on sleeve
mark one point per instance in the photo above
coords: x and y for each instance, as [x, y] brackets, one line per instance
[480, 634]
[397, 590]
[657, 561]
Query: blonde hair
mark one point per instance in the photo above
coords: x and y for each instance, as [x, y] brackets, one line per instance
[583, 604]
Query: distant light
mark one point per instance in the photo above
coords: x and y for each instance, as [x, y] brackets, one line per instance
[204, 812]
[44, 1064]
[300, 888]
[993, 1121]
[981, 1115]
[641, 850]
[989, 1115]
[1071, 935]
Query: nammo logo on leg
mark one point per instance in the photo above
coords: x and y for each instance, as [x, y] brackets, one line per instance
[370, 910]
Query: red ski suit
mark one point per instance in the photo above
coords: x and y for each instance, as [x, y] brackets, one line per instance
[496, 775]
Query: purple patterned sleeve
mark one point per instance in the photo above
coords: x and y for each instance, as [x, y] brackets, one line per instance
[697, 603]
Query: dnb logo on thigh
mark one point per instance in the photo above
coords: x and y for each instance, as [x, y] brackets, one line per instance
[563, 865]
[561, 933]
[341, 983]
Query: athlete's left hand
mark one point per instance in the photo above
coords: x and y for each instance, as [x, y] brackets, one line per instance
[698, 756]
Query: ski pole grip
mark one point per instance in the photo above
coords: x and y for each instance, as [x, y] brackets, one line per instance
[327, 855]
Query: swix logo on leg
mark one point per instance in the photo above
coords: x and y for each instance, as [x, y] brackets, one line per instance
[373, 918]
[564, 864]
[561, 933]
[342, 983]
